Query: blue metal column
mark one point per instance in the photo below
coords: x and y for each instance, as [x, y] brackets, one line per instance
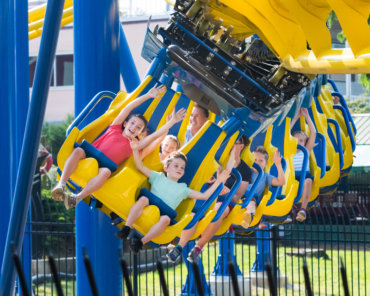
[128, 69]
[7, 94]
[263, 250]
[189, 288]
[96, 41]
[31, 140]
[226, 248]
[20, 111]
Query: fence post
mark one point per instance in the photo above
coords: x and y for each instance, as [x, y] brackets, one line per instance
[274, 243]
[189, 288]
[135, 274]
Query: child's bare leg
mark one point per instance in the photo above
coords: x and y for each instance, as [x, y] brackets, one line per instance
[136, 210]
[251, 207]
[212, 228]
[307, 187]
[247, 215]
[70, 166]
[186, 235]
[156, 229]
[96, 182]
[71, 163]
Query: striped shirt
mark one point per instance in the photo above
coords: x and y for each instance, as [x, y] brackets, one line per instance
[298, 162]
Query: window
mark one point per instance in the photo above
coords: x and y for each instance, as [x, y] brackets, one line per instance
[64, 70]
[62, 73]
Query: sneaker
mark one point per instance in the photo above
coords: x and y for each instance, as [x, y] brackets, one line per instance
[70, 201]
[287, 220]
[58, 192]
[123, 233]
[170, 247]
[301, 216]
[135, 244]
[247, 219]
[194, 254]
[175, 254]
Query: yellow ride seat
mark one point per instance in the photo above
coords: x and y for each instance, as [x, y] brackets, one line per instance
[332, 174]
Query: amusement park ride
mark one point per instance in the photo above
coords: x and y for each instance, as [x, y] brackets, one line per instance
[253, 65]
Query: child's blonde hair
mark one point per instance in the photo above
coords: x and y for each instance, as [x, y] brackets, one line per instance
[171, 138]
[262, 150]
[175, 155]
[301, 133]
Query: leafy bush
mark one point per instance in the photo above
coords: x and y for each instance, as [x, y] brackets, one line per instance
[361, 105]
[54, 134]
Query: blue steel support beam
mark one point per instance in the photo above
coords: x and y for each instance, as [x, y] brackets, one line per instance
[31, 140]
[97, 68]
[128, 69]
[22, 99]
[7, 94]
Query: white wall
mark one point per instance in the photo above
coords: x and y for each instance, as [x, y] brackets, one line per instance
[61, 99]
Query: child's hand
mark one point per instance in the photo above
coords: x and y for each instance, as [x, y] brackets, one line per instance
[134, 143]
[304, 112]
[156, 92]
[277, 158]
[225, 174]
[177, 116]
[225, 190]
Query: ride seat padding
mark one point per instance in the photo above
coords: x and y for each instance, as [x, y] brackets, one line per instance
[164, 209]
[103, 160]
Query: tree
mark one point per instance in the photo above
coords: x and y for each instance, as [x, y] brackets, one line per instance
[364, 79]
[361, 105]
[53, 135]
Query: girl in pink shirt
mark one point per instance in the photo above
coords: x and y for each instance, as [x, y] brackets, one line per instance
[115, 144]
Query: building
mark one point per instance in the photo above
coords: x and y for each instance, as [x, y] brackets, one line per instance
[134, 18]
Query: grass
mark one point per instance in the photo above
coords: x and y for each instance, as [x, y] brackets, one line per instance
[324, 272]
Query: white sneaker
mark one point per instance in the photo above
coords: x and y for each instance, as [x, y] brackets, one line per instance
[58, 192]
[287, 220]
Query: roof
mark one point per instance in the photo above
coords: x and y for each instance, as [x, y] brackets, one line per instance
[362, 123]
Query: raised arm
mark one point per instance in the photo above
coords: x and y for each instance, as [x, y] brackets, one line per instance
[231, 161]
[280, 179]
[312, 137]
[138, 162]
[154, 92]
[151, 147]
[175, 117]
[204, 195]
[294, 120]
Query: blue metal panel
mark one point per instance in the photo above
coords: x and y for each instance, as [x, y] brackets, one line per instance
[96, 41]
[157, 115]
[199, 151]
[183, 102]
[20, 112]
[142, 108]
[7, 82]
[36, 113]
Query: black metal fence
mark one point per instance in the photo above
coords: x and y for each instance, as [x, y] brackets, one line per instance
[337, 229]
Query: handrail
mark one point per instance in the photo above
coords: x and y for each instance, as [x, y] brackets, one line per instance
[250, 194]
[339, 140]
[226, 201]
[302, 176]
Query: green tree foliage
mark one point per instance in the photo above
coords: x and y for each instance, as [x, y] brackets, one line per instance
[53, 135]
[364, 79]
[361, 105]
